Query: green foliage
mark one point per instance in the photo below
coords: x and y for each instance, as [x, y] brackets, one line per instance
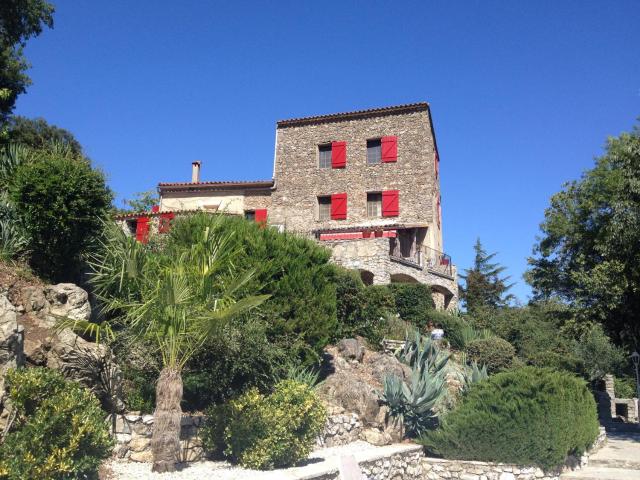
[19, 21]
[266, 432]
[59, 431]
[239, 357]
[361, 310]
[306, 375]
[597, 354]
[413, 302]
[494, 352]
[37, 134]
[528, 416]
[483, 285]
[589, 251]
[415, 403]
[625, 387]
[143, 201]
[295, 272]
[473, 374]
[61, 202]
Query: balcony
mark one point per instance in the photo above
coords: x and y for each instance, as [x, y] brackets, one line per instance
[421, 257]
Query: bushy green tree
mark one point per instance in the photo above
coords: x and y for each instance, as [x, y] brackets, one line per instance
[19, 21]
[61, 202]
[528, 416]
[38, 134]
[143, 201]
[484, 287]
[413, 302]
[589, 252]
[494, 352]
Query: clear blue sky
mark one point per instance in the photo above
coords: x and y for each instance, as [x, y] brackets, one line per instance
[523, 94]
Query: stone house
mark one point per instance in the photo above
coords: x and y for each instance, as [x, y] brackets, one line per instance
[364, 183]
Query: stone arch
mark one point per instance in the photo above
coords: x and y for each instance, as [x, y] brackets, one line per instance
[442, 297]
[366, 276]
[402, 278]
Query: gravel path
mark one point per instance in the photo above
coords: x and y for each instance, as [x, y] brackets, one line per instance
[318, 460]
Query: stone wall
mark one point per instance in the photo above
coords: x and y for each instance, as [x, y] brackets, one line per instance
[299, 180]
[340, 429]
[133, 437]
[372, 255]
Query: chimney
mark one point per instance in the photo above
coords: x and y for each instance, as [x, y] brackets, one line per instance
[195, 171]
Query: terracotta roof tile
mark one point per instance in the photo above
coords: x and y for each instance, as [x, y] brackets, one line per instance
[221, 184]
[410, 107]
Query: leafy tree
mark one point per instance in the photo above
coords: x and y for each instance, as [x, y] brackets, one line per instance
[483, 285]
[589, 253]
[176, 298]
[38, 134]
[19, 21]
[60, 200]
[143, 201]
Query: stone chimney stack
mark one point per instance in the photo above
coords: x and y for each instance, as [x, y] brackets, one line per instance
[195, 171]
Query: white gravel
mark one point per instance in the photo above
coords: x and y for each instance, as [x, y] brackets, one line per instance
[319, 460]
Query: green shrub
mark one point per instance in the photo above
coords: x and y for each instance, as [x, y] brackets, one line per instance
[497, 354]
[598, 354]
[361, 310]
[60, 201]
[266, 432]
[413, 302]
[625, 387]
[529, 416]
[59, 432]
[294, 271]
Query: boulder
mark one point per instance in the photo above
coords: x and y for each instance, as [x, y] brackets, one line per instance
[11, 347]
[351, 349]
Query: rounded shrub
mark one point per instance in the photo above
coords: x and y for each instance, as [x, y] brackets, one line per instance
[59, 432]
[527, 416]
[266, 432]
[413, 302]
[494, 352]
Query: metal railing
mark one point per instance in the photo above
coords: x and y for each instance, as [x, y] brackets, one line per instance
[423, 257]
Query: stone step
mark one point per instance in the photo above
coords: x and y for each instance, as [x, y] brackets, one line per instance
[599, 473]
[629, 464]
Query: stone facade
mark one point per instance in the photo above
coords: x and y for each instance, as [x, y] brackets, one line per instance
[627, 408]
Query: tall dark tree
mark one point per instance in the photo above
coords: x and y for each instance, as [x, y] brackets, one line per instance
[589, 252]
[483, 285]
[38, 134]
[19, 21]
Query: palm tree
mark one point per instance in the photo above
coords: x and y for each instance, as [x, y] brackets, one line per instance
[177, 296]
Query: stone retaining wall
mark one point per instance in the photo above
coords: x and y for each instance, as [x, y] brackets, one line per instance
[133, 437]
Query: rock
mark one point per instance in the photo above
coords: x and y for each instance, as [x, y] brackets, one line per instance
[145, 456]
[382, 365]
[11, 348]
[507, 476]
[138, 444]
[351, 349]
[375, 437]
[352, 394]
[68, 300]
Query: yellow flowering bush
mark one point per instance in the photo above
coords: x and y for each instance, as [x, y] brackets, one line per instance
[59, 432]
[270, 431]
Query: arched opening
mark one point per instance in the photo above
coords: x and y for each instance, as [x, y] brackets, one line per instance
[402, 278]
[367, 277]
[441, 297]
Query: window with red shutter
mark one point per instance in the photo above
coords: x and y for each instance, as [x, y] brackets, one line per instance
[389, 149]
[339, 206]
[142, 229]
[260, 215]
[390, 203]
[338, 154]
[165, 222]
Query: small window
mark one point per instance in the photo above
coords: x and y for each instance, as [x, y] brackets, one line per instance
[250, 215]
[374, 151]
[324, 208]
[325, 156]
[374, 204]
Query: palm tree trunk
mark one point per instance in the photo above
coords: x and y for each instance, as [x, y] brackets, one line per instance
[165, 442]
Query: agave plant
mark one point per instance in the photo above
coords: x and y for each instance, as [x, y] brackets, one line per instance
[473, 374]
[423, 353]
[307, 375]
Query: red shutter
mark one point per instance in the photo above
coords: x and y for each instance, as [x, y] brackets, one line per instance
[390, 203]
[389, 149]
[338, 154]
[339, 206]
[142, 229]
[260, 216]
[165, 222]
[155, 208]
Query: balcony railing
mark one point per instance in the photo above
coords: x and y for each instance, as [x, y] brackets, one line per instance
[423, 257]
